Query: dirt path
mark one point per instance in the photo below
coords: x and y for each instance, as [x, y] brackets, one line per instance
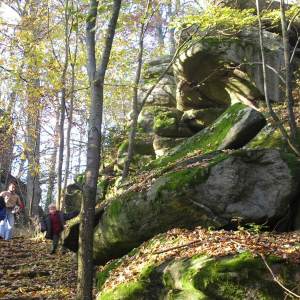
[28, 271]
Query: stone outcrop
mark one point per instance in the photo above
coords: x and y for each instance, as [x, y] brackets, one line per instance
[240, 276]
[214, 84]
[255, 186]
[199, 184]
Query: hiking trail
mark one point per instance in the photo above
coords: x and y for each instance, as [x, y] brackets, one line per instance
[28, 271]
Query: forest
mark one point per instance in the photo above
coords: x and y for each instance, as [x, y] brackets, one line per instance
[149, 149]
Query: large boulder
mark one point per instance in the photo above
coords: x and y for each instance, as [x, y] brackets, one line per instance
[169, 124]
[204, 264]
[242, 276]
[256, 186]
[204, 79]
[163, 145]
[232, 130]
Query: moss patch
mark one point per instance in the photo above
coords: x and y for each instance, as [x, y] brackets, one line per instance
[202, 277]
[235, 277]
[206, 140]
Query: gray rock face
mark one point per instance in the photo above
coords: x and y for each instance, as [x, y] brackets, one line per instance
[255, 187]
[252, 185]
[200, 86]
[162, 145]
[243, 130]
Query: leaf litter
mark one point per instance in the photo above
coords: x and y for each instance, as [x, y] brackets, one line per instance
[28, 271]
[182, 243]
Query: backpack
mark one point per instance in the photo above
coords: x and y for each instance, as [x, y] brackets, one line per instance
[2, 209]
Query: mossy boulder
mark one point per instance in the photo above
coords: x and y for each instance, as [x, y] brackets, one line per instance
[232, 130]
[253, 185]
[162, 145]
[169, 124]
[240, 276]
[197, 119]
[73, 197]
[143, 152]
[269, 137]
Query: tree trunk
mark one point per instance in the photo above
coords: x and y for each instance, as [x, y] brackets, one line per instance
[63, 107]
[33, 157]
[70, 115]
[96, 78]
[288, 73]
[135, 110]
[52, 166]
[275, 118]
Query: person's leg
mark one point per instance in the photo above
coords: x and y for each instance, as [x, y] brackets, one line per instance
[10, 222]
[55, 241]
[2, 228]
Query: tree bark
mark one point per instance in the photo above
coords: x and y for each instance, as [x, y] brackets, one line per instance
[135, 110]
[275, 118]
[63, 107]
[71, 109]
[52, 166]
[96, 78]
[288, 73]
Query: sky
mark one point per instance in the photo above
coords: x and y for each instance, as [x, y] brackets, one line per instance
[8, 14]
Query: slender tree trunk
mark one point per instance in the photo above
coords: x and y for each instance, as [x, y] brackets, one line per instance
[52, 163]
[78, 166]
[33, 157]
[96, 78]
[268, 103]
[135, 110]
[63, 108]
[70, 123]
[288, 73]
[171, 14]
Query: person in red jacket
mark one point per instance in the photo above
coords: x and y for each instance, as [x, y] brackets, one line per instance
[54, 224]
[13, 204]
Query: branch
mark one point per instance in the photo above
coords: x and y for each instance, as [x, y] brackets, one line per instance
[166, 71]
[292, 20]
[294, 50]
[12, 71]
[276, 279]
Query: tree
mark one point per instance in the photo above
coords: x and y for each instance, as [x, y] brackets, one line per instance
[133, 128]
[266, 92]
[288, 73]
[96, 75]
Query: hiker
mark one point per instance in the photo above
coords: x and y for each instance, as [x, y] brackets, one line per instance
[2, 211]
[13, 204]
[54, 224]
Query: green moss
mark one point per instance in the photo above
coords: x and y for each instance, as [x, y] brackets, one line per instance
[115, 208]
[129, 291]
[234, 277]
[102, 276]
[292, 162]
[188, 177]
[206, 140]
[163, 120]
[268, 138]
[142, 146]
[136, 289]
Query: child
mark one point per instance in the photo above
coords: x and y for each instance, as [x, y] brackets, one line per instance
[54, 224]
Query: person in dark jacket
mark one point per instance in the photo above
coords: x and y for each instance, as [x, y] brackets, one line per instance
[54, 224]
[2, 211]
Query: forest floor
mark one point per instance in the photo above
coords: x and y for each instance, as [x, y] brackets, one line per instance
[29, 271]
